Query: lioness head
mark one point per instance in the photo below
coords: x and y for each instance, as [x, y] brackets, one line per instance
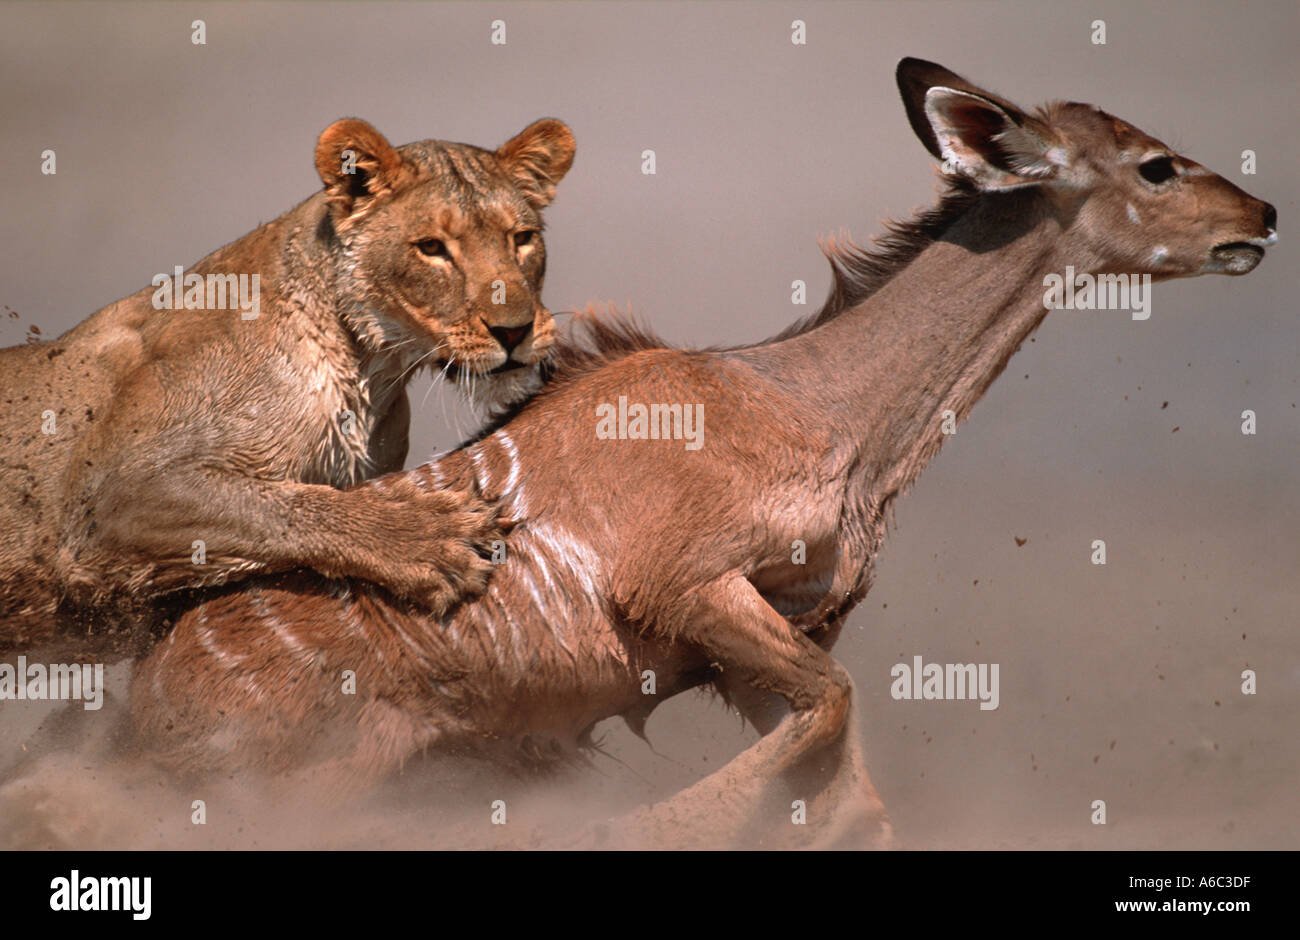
[441, 251]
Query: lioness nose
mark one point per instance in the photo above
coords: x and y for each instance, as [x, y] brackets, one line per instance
[510, 336]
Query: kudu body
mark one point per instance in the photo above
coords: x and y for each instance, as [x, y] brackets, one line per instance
[643, 555]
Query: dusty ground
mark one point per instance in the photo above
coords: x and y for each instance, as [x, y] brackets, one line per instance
[1123, 688]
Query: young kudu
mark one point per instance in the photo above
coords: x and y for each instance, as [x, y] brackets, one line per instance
[639, 555]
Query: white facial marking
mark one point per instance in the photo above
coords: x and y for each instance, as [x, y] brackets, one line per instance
[1159, 255]
[1133, 214]
[496, 392]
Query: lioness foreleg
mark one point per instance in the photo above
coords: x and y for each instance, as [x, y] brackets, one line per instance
[161, 531]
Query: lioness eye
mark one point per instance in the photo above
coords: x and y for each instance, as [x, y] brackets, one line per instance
[1157, 170]
[433, 248]
[523, 238]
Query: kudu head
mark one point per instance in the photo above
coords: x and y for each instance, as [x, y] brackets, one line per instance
[1132, 204]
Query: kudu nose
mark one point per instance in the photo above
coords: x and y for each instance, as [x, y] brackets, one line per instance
[1270, 217]
[510, 336]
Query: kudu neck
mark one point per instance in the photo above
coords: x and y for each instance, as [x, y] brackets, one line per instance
[933, 337]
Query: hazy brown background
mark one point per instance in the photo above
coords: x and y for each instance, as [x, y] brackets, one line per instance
[1118, 683]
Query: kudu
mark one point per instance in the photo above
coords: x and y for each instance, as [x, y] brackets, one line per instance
[639, 555]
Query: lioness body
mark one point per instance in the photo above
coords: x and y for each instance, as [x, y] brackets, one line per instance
[152, 448]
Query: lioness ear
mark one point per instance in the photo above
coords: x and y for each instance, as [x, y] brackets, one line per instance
[538, 158]
[358, 167]
[975, 133]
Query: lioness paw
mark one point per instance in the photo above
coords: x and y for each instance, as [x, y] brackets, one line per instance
[435, 548]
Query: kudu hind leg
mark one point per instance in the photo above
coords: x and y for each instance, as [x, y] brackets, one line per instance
[842, 805]
[757, 651]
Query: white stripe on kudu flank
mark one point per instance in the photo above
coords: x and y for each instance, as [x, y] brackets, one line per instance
[515, 646]
[395, 624]
[207, 641]
[554, 623]
[484, 632]
[262, 606]
[572, 554]
[512, 479]
[351, 620]
[481, 476]
[231, 661]
[512, 490]
[536, 553]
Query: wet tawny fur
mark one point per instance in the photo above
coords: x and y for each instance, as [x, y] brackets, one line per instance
[179, 427]
[641, 555]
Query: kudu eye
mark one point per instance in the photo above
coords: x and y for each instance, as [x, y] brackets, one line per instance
[524, 238]
[432, 248]
[1158, 170]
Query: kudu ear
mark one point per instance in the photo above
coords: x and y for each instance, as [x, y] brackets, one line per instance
[974, 132]
[358, 167]
[538, 158]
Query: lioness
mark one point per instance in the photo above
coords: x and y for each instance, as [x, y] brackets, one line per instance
[172, 440]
